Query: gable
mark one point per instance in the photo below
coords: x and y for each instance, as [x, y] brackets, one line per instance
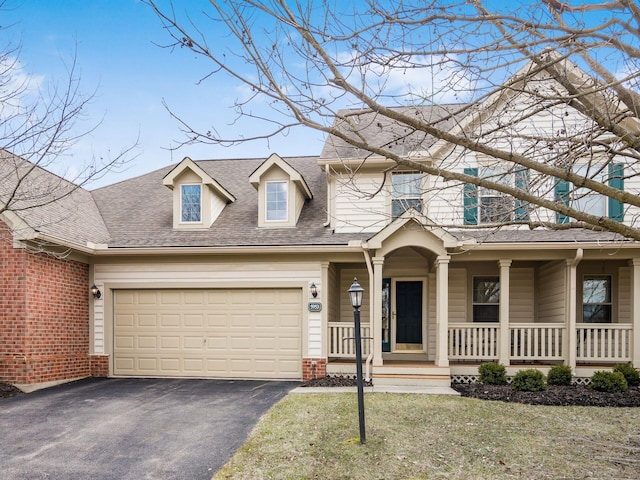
[198, 199]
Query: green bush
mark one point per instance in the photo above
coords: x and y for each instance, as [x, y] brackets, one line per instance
[492, 373]
[631, 374]
[530, 380]
[560, 375]
[611, 382]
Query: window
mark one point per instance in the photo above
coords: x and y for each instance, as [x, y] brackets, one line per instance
[483, 205]
[486, 299]
[584, 199]
[190, 201]
[277, 201]
[406, 193]
[596, 299]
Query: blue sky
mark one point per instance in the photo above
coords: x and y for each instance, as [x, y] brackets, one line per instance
[115, 42]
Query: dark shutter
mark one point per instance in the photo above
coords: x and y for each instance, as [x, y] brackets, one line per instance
[522, 183]
[562, 196]
[470, 199]
[616, 180]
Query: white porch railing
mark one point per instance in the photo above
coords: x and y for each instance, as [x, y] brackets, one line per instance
[610, 342]
[473, 341]
[341, 339]
[536, 341]
[602, 342]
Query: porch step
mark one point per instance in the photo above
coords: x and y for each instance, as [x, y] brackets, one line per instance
[399, 373]
[412, 380]
[414, 375]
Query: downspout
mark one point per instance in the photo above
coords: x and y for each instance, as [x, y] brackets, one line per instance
[329, 196]
[367, 259]
[572, 310]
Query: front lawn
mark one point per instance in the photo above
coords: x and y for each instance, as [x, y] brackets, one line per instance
[308, 436]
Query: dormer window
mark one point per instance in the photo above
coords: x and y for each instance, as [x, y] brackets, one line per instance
[277, 201]
[198, 199]
[282, 193]
[191, 203]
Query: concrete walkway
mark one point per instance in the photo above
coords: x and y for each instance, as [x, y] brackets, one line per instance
[380, 389]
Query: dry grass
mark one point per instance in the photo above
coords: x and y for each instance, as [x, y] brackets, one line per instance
[430, 437]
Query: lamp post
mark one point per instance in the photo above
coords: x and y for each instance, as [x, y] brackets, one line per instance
[355, 295]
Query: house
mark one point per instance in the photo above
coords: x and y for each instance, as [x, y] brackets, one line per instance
[240, 268]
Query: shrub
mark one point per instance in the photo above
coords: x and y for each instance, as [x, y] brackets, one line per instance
[560, 375]
[492, 373]
[530, 380]
[611, 382]
[631, 375]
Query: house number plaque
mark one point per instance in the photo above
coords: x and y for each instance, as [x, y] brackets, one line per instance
[315, 306]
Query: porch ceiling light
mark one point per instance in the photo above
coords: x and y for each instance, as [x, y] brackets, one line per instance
[314, 290]
[355, 294]
[95, 291]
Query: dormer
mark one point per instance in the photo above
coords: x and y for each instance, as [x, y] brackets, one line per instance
[282, 192]
[197, 198]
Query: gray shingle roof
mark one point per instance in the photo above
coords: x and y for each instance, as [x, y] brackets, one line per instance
[379, 130]
[139, 213]
[48, 203]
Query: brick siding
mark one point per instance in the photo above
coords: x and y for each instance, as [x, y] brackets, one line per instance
[311, 370]
[44, 316]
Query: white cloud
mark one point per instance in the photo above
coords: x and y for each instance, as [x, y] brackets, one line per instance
[18, 89]
[437, 79]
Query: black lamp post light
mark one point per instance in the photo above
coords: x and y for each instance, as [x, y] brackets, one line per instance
[355, 295]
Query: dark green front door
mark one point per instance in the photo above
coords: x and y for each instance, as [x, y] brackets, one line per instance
[409, 312]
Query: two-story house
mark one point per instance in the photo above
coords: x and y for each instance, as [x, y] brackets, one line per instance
[240, 268]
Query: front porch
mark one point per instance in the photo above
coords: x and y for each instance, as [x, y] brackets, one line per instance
[435, 306]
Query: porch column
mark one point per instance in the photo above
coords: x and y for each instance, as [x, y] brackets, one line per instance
[442, 310]
[572, 308]
[505, 343]
[376, 326]
[635, 312]
[324, 313]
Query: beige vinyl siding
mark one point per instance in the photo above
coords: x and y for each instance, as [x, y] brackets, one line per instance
[624, 295]
[333, 309]
[551, 288]
[355, 211]
[346, 279]
[200, 272]
[521, 295]
[458, 295]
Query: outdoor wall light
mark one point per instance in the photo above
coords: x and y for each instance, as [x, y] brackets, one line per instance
[314, 290]
[95, 291]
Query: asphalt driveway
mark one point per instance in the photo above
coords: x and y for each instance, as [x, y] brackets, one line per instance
[130, 428]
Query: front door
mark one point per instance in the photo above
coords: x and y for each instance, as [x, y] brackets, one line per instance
[408, 303]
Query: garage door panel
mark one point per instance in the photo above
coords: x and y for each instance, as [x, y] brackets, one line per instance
[214, 333]
[147, 297]
[169, 342]
[194, 320]
[124, 320]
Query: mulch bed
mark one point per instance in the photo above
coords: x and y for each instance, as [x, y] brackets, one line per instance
[7, 391]
[578, 395]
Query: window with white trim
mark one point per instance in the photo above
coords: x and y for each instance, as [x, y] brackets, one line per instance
[276, 209]
[190, 203]
[406, 192]
[496, 207]
[486, 299]
[596, 299]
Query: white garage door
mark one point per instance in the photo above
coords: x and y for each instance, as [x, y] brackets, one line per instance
[208, 333]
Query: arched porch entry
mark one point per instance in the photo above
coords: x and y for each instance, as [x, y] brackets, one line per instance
[409, 285]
